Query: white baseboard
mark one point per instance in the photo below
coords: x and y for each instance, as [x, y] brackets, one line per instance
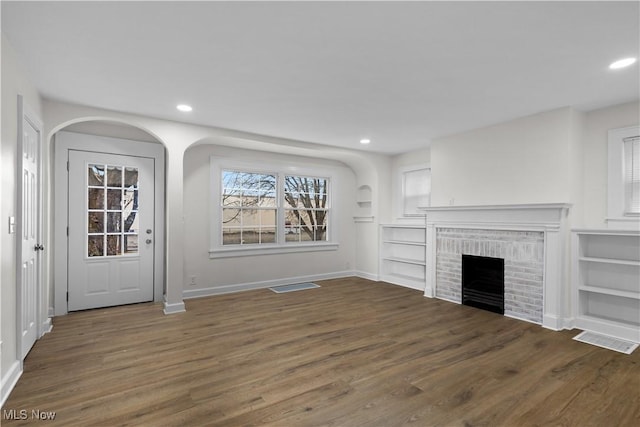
[569, 323]
[368, 276]
[47, 326]
[557, 323]
[241, 287]
[518, 317]
[9, 381]
[174, 308]
[447, 299]
[552, 322]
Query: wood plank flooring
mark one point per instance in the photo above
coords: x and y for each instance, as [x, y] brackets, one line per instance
[351, 353]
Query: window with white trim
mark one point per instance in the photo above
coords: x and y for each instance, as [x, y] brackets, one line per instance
[623, 189]
[258, 211]
[416, 190]
[632, 176]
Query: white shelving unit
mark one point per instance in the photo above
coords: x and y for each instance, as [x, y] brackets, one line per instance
[606, 282]
[403, 255]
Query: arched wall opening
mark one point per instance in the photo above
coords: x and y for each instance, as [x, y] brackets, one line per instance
[209, 270]
[121, 138]
[370, 170]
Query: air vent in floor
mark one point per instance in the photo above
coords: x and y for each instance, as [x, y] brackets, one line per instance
[607, 342]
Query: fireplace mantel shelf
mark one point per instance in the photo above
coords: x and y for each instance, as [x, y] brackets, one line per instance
[533, 216]
[496, 207]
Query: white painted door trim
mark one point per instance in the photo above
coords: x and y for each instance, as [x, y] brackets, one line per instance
[27, 115]
[65, 141]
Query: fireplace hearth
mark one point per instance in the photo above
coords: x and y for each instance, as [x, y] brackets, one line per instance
[483, 283]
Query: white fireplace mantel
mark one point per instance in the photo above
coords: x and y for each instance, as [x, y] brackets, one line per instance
[549, 218]
[538, 216]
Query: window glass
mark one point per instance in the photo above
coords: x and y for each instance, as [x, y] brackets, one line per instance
[306, 212]
[112, 210]
[251, 209]
[416, 191]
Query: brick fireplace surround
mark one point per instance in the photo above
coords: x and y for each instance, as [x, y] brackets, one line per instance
[532, 239]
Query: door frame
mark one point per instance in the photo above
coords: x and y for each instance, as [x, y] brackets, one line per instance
[27, 115]
[63, 142]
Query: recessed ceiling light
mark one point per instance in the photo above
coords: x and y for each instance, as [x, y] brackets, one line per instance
[365, 141]
[184, 108]
[622, 63]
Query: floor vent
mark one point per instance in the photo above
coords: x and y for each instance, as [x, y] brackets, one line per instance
[291, 288]
[607, 342]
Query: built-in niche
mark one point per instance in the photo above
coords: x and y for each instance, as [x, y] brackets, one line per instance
[364, 199]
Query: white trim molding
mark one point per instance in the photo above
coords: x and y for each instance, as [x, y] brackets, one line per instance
[173, 308]
[549, 218]
[240, 287]
[9, 381]
[366, 275]
[237, 251]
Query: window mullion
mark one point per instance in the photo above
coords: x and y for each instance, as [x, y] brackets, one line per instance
[280, 226]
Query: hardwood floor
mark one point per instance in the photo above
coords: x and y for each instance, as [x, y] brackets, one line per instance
[351, 353]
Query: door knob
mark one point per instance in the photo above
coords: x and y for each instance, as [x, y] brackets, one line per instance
[38, 247]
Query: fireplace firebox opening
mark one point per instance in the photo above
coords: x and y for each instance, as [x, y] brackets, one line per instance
[483, 283]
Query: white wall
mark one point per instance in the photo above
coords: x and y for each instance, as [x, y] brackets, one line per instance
[520, 161]
[412, 158]
[244, 272]
[14, 82]
[555, 156]
[575, 151]
[597, 124]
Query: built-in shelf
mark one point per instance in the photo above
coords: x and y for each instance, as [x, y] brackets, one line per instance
[363, 219]
[609, 291]
[405, 260]
[610, 261]
[400, 242]
[364, 200]
[606, 282]
[403, 255]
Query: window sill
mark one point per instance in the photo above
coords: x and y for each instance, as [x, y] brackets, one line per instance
[232, 252]
[623, 223]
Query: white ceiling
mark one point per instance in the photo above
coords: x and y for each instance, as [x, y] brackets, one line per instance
[400, 73]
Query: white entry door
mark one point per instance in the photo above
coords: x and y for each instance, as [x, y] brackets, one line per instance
[111, 229]
[29, 229]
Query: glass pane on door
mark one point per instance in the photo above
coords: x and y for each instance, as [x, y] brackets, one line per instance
[112, 210]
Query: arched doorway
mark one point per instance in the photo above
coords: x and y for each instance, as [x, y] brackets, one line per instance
[108, 215]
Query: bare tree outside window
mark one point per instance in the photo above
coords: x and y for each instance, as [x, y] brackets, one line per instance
[307, 212]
